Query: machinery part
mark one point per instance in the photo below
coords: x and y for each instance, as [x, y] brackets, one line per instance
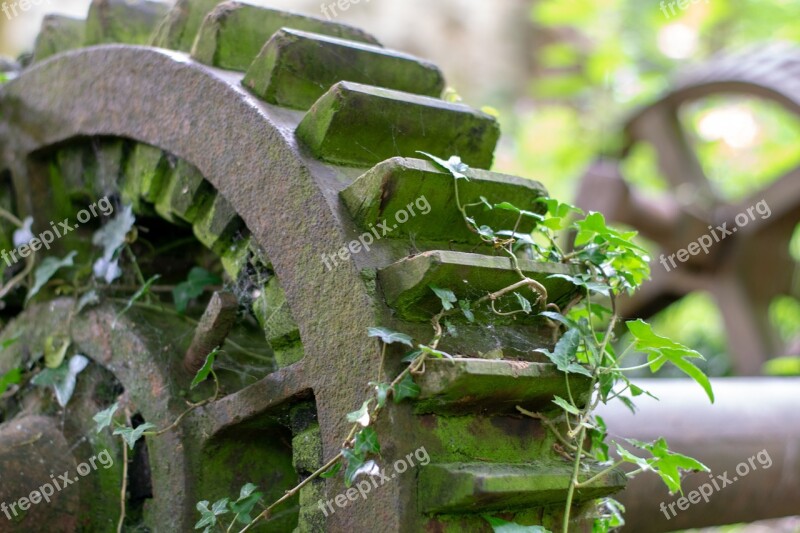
[260, 186]
[748, 416]
[744, 272]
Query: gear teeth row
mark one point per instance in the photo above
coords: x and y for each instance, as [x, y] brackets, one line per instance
[123, 21]
[234, 33]
[361, 126]
[58, 34]
[295, 68]
[480, 487]
[406, 284]
[466, 386]
[394, 186]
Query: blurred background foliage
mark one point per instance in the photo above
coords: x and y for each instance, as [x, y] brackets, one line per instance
[562, 76]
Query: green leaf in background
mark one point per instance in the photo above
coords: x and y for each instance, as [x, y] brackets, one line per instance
[12, 377]
[104, 418]
[198, 279]
[782, 366]
[406, 389]
[87, 299]
[465, 308]
[502, 526]
[445, 295]
[205, 370]
[436, 354]
[131, 435]
[208, 517]
[390, 337]
[669, 464]
[47, 270]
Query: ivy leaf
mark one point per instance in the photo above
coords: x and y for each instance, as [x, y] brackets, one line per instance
[144, 289]
[111, 237]
[361, 416]
[104, 418]
[445, 295]
[63, 378]
[411, 356]
[47, 270]
[332, 471]
[209, 516]
[382, 392]
[367, 442]
[390, 337]
[502, 526]
[524, 303]
[565, 405]
[205, 370]
[12, 377]
[369, 468]
[436, 354]
[594, 286]
[564, 354]
[454, 165]
[465, 308]
[661, 349]
[406, 389]
[131, 435]
[354, 462]
[88, 299]
[242, 507]
[54, 356]
[670, 464]
[198, 279]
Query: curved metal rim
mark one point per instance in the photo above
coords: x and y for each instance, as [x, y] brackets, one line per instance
[153, 96]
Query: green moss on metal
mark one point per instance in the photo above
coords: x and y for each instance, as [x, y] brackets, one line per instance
[123, 21]
[146, 172]
[233, 34]
[58, 34]
[185, 195]
[360, 125]
[217, 226]
[296, 68]
[178, 30]
[427, 194]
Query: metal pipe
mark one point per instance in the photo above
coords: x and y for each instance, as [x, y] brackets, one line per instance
[754, 425]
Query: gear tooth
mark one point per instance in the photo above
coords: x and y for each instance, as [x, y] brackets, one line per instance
[58, 34]
[122, 21]
[480, 487]
[218, 226]
[406, 283]
[360, 125]
[233, 34]
[273, 314]
[400, 184]
[146, 172]
[178, 29]
[295, 68]
[186, 194]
